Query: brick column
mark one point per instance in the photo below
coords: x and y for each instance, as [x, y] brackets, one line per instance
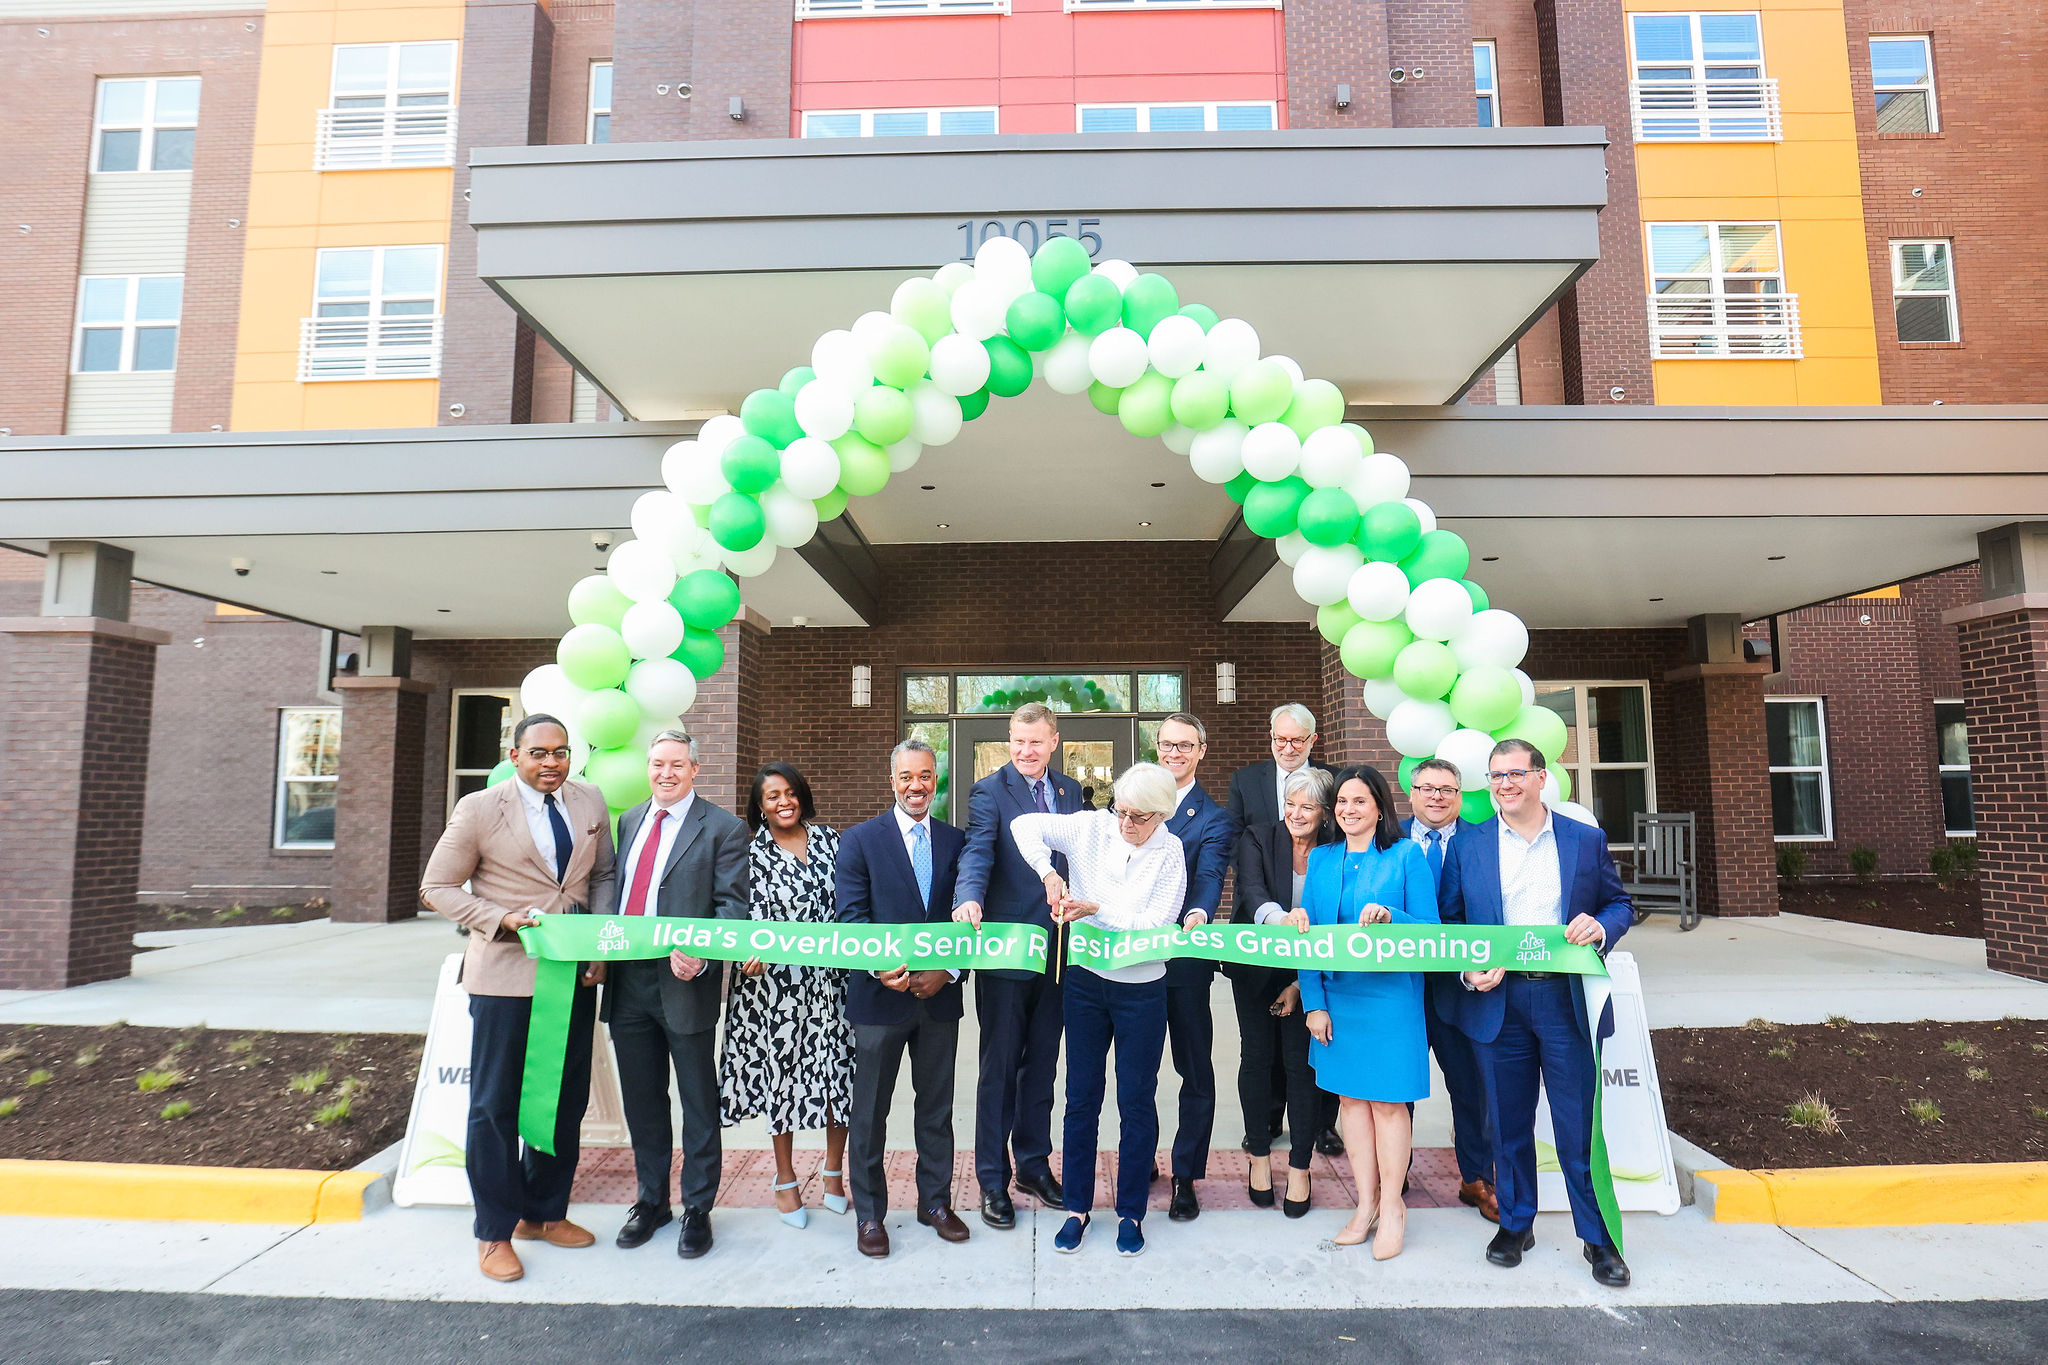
[1718, 736]
[726, 721]
[1350, 733]
[377, 858]
[75, 696]
[2005, 694]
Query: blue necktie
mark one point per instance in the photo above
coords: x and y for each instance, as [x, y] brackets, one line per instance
[562, 842]
[1435, 853]
[921, 860]
[1038, 791]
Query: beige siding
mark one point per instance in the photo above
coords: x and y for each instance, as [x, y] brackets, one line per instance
[582, 399]
[118, 404]
[1507, 380]
[83, 9]
[135, 223]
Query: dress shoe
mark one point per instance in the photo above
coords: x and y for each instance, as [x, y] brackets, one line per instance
[873, 1240]
[556, 1232]
[997, 1211]
[1329, 1144]
[1479, 1194]
[1044, 1188]
[1184, 1207]
[1506, 1248]
[1608, 1267]
[499, 1261]
[642, 1222]
[696, 1237]
[1261, 1198]
[942, 1220]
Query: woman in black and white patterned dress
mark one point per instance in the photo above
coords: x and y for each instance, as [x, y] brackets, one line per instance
[788, 1048]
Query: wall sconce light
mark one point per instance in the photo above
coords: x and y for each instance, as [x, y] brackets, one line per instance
[737, 107]
[1226, 684]
[1343, 97]
[863, 685]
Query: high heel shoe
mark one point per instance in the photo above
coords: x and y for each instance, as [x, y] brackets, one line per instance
[1296, 1208]
[1260, 1198]
[1341, 1240]
[1388, 1244]
[836, 1203]
[798, 1217]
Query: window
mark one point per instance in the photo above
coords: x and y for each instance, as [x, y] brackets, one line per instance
[1718, 290]
[374, 315]
[870, 9]
[1923, 291]
[127, 323]
[480, 725]
[599, 127]
[1607, 757]
[898, 122]
[1796, 738]
[390, 105]
[1176, 118]
[1700, 77]
[1902, 80]
[146, 124]
[1486, 85]
[308, 761]
[1952, 753]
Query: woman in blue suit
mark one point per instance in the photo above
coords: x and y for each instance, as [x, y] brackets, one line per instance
[1368, 1043]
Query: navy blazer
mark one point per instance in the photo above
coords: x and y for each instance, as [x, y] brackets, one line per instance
[993, 874]
[1205, 835]
[875, 884]
[1255, 793]
[1471, 894]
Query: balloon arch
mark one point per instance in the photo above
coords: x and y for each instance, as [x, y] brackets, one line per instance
[1438, 664]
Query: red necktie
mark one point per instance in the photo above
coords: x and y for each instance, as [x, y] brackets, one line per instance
[643, 871]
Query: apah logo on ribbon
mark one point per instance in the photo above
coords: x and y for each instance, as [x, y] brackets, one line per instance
[1531, 949]
[612, 939]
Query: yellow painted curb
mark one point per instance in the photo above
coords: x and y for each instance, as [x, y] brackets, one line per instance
[202, 1194]
[1882, 1196]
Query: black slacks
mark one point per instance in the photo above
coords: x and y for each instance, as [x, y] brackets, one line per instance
[647, 1049]
[507, 1180]
[1020, 1023]
[878, 1054]
[1271, 1042]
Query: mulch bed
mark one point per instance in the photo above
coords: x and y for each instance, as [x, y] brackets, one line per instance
[154, 918]
[1730, 1090]
[1923, 907]
[243, 1109]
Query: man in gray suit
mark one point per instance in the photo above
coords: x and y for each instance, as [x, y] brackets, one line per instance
[681, 856]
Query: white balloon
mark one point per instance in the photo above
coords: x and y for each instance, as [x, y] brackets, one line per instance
[1178, 439]
[1415, 727]
[545, 690]
[824, 409]
[1118, 273]
[1380, 478]
[1176, 345]
[1552, 791]
[1468, 751]
[952, 275]
[1382, 695]
[1378, 591]
[1010, 288]
[1330, 457]
[752, 563]
[979, 307]
[935, 416]
[1438, 609]
[1117, 357]
[641, 570]
[839, 359]
[1001, 257]
[1271, 451]
[1288, 364]
[1290, 546]
[652, 629]
[677, 459]
[959, 365]
[1324, 572]
[661, 518]
[1423, 513]
[792, 518]
[719, 432]
[1526, 683]
[700, 480]
[902, 456]
[651, 726]
[1217, 456]
[579, 753]
[872, 324]
[1573, 810]
[810, 468]
[1229, 346]
[1492, 638]
[662, 687]
[1065, 366]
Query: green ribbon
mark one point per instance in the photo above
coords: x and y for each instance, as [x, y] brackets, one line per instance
[1342, 947]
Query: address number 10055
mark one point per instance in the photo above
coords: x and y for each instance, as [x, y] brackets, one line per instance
[1031, 233]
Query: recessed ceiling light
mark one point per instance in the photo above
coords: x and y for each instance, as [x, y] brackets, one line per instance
[1489, 559]
[945, 526]
[1656, 599]
[330, 572]
[442, 610]
[1159, 485]
[928, 487]
[1144, 523]
[1774, 558]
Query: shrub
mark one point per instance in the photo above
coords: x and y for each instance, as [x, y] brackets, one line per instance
[1839, 1021]
[1760, 1025]
[229, 915]
[1863, 863]
[1924, 1110]
[332, 1114]
[163, 1078]
[1962, 1047]
[306, 1082]
[177, 1109]
[1814, 1114]
[1782, 1052]
[1978, 1073]
[1966, 858]
[40, 1076]
[1941, 861]
[1792, 863]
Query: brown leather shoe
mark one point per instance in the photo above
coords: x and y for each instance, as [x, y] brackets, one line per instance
[558, 1233]
[499, 1261]
[873, 1240]
[1479, 1194]
[941, 1219]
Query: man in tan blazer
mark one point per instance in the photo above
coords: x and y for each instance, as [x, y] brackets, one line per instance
[537, 844]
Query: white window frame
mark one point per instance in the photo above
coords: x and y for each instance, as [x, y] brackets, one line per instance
[591, 108]
[1926, 41]
[514, 713]
[889, 9]
[412, 339]
[931, 119]
[129, 324]
[1492, 92]
[149, 127]
[1899, 291]
[1084, 6]
[1582, 767]
[392, 135]
[1208, 107]
[1731, 326]
[285, 777]
[1827, 795]
[1943, 770]
[1703, 107]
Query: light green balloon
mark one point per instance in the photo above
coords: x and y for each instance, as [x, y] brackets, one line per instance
[595, 602]
[863, 465]
[1260, 392]
[621, 774]
[1426, 669]
[502, 773]
[1146, 407]
[831, 505]
[1106, 400]
[1200, 312]
[594, 657]
[900, 356]
[1200, 400]
[1370, 648]
[1485, 698]
[1335, 621]
[924, 305]
[1364, 436]
[1564, 782]
[1317, 404]
[607, 719]
[882, 415]
[1540, 726]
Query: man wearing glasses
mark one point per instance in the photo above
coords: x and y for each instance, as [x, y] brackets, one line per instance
[1527, 867]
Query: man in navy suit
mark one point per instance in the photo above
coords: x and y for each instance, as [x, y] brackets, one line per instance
[1018, 1012]
[899, 868]
[1434, 796]
[1206, 840]
[1526, 866]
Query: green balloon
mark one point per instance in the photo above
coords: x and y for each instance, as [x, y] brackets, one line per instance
[1241, 487]
[595, 602]
[1389, 530]
[1009, 367]
[706, 599]
[1426, 669]
[1477, 593]
[974, 405]
[621, 774]
[1540, 726]
[502, 773]
[1093, 305]
[863, 466]
[1200, 312]
[751, 463]
[736, 521]
[831, 505]
[1477, 807]
[796, 379]
[1035, 321]
[1200, 400]
[1405, 774]
[1439, 554]
[925, 305]
[607, 719]
[1564, 783]
[881, 415]
[1335, 621]
[1370, 648]
[1485, 698]
[900, 356]
[771, 415]
[1328, 516]
[702, 652]
[1056, 265]
[1149, 299]
[1317, 404]
[701, 513]
[594, 657]
[1260, 392]
[1364, 436]
[1106, 400]
[1146, 407]
[1272, 509]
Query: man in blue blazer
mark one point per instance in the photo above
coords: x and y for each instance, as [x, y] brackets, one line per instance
[900, 868]
[1526, 866]
[1018, 1013]
[1206, 841]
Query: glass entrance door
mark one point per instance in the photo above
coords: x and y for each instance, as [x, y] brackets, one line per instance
[1093, 750]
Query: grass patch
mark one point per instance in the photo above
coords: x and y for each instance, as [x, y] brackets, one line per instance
[306, 1082]
[241, 1047]
[1814, 1114]
[1962, 1047]
[1924, 1110]
[1852, 1052]
[40, 1076]
[1782, 1052]
[342, 1043]
[117, 1024]
[1839, 1021]
[329, 1115]
[2040, 1112]
[176, 1109]
[10, 1052]
[283, 912]
[160, 1079]
[12, 1103]
[1978, 1073]
[87, 1055]
[1761, 1025]
[229, 915]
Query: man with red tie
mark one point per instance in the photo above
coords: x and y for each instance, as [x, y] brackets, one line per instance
[682, 856]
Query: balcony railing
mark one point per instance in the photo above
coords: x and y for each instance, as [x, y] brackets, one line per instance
[403, 347]
[376, 139]
[873, 9]
[1724, 326]
[1706, 111]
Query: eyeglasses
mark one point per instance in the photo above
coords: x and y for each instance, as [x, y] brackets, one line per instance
[1435, 791]
[1178, 746]
[543, 755]
[1282, 742]
[1138, 818]
[1512, 776]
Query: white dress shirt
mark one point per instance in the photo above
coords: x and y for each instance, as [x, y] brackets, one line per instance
[630, 866]
[538, 824]
[1530, 891]
[906, 825]
[1136, 887]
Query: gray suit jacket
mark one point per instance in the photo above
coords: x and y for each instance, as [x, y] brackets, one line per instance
[705, 878]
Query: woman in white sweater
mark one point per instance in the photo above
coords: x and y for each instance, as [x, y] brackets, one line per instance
[1127, 873]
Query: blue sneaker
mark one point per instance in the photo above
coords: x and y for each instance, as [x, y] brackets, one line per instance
[1069, 1236]
[1130, 1238]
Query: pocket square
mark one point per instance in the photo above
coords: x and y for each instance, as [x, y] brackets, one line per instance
[593, 829]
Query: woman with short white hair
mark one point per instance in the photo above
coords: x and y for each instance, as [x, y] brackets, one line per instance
[1127, 875]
